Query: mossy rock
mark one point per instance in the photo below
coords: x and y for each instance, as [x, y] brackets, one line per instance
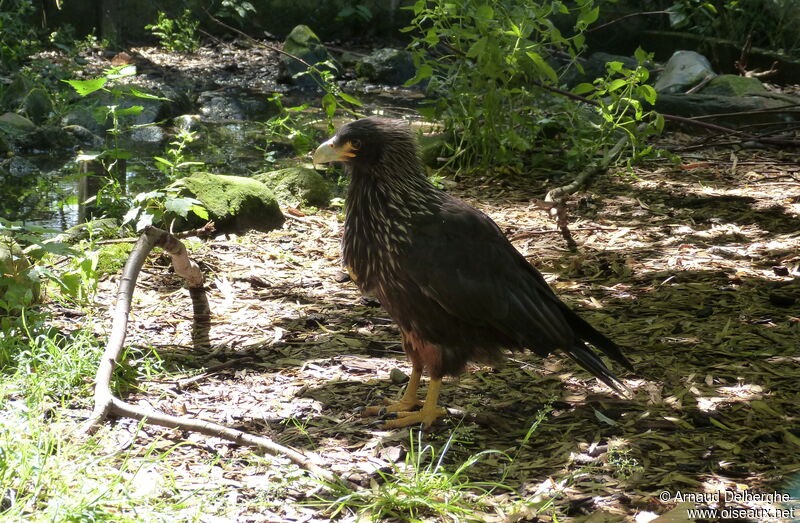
[38, 105]
[111, 258]
[234, 203]
[734, 85]
[304, 44]
[19, 285]
[298, 184]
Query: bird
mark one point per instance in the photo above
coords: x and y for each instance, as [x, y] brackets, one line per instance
[456, 287]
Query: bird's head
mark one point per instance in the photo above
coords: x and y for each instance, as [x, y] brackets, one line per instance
[368, 143]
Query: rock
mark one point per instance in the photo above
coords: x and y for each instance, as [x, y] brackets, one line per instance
[683, 70]
[298, 184]
[233, 202]
[148, 134]
[47, 138]
[304, 44]
[387, 66]
[20, 167]
[219, 106]
[15, 124]
[19, 286]
[84, 136]
[735, 110]
[187, 122]
[15, 93]
[38, 105]
[83, 117]
[734, 85]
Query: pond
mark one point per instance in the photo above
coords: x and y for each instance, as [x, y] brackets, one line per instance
[42, 186]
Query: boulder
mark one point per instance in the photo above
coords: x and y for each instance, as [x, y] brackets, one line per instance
[683, 70]
[15, 124]
[387, 66]
[38, 105]
[734, 85]
[47, 138]
[219, 106]
[15, 93]
[234, 202]
[304, 44]
[298, 185]
[84, 117]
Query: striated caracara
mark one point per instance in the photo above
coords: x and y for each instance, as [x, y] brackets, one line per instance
[456, 287]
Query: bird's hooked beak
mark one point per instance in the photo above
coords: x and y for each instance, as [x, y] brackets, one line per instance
[331, 152]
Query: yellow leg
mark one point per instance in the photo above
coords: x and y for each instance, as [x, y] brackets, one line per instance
[407, 402]
[429, 413]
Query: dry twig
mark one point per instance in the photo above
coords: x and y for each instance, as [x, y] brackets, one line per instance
[106, 404]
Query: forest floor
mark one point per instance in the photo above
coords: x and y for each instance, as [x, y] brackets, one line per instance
[694, 269]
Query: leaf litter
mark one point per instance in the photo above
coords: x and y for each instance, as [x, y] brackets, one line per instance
[695, 271]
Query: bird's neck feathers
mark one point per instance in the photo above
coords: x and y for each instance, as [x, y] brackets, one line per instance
[396, 179]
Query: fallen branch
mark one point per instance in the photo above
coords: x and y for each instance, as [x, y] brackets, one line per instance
[106, 404]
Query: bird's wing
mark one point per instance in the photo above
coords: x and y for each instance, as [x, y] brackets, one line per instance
[460, 259]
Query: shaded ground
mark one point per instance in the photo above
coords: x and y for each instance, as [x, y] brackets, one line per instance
[694, 269]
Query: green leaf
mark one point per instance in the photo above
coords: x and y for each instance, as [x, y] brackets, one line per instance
[329, 104]
[132, 110]
[641, 55]
[147, 96]
[543, 66]
[84, 87]
[180, 206]
[478, 47]
[163, 161]
[424, 71]
[144, 220]
[616, 84]
[648, 93]
[484, 12]
[583, 88]
[589, 17]
[200, 211]
[350, 99]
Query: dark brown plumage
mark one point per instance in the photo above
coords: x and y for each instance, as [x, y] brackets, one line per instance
[458, 290]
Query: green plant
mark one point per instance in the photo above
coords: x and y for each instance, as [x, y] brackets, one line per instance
[111, 197]
[179, 34]
[424, 486]
[621, 98]
[18, 37]
[483, 60]
[287, 124]
[150, 208]
[358, 12]
[176, 160]
[235, 10]
[770, 23]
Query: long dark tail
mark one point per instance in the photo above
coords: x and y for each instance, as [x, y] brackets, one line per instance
[586, 357]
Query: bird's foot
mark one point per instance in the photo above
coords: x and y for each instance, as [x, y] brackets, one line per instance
[403, 405]
[426, 417]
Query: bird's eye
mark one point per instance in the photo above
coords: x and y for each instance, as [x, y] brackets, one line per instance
[355, 144]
